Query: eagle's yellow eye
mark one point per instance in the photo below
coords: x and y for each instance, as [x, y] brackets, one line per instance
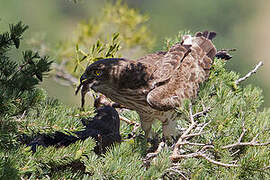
[98, 73]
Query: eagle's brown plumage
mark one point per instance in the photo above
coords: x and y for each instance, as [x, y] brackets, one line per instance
[157, 83]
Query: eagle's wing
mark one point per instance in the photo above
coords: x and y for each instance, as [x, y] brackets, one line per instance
[185, 66]
[166, 65]
[152, 58]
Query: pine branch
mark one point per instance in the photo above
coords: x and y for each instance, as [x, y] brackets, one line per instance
[14, 37]
[202, 153]
[18, 79]
[16, 32]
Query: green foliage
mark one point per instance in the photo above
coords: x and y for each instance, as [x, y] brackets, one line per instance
[17, 81]
[126, 26]
[50, 116]
[169, 42]
[230, 109]
[27, 111]
[125, 160]
[18, 77]
[98, 51]
[49, 160]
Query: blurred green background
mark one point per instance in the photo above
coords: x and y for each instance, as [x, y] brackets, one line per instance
[241, 24]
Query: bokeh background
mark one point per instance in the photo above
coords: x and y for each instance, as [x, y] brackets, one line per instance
[240, 24]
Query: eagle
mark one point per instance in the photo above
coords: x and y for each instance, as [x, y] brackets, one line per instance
[155, 84]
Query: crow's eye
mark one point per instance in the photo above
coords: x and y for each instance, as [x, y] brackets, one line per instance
[98, 72]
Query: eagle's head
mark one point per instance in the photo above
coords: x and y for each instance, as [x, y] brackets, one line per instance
[99, 74]
[116, 78]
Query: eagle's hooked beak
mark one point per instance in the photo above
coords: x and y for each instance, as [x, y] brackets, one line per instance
[90, 82]
[83, 78]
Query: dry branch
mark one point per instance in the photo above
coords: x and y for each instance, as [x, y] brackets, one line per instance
[249, 73]
[217, 162]
[187, 133]
[202, 154]
[199, 114]
[61, 74]
[191, 143]
[198, 133]
[122, 118]
[265, 168]
[150, 156]
[176, 170]
[253, 142]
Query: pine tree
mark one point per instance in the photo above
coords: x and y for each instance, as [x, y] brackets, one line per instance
[18, 77]
[224, 132]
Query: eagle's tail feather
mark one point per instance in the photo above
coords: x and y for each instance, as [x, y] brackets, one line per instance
[209, 35]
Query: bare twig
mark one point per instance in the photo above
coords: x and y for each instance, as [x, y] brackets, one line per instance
[147, 160]
[60, 73]
[265, 168]
[198, 133]
[200, 154]
[217, 162]
[192, 144]
[191, 116]
[208, 146]
[199, 114]
[253, 142]
[249, 73]
[136, 125]
[176, 170]
[126, 120]
[243, 132]
[22, 116]
[154, 154]
[187, 133]
[193, 135]
[235, 152]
